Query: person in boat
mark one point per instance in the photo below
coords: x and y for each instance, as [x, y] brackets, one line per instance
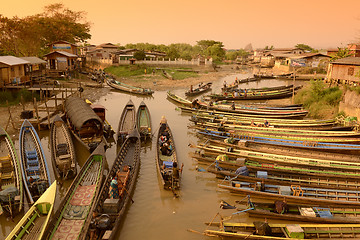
[221, 127]
[166, 134]
[253, 124]
[195, 103]
[114, 189]
[225, 84]
[233, 106]
[162, 140]
[191, 88]
[266, 123]
[163, 123]
[166, 149]
[175, 171]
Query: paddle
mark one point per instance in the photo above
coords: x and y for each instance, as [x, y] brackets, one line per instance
[132, 201]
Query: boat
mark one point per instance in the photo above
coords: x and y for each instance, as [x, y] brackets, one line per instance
[62, 149]
[115, 196]
[128, 88]
[73, 211]
[256, 95]
[166, 161]
[296, 143]
[302, 212]
[143, 121]
[11, 193]
[247, 112]
[100, 110]
[32, 225]
[202, 88]
[294, 194]
[33, 164]
[280, 231]
[85, 125]
[127, 121]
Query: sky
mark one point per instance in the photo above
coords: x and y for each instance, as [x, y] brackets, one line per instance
[321, 24]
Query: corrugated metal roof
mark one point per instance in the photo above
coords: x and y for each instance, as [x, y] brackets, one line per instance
[33, 60]
[12, 61]
[348, 61]
[63, 53]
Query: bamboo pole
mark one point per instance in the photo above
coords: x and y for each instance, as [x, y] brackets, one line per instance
[37, 113]
[48, 113]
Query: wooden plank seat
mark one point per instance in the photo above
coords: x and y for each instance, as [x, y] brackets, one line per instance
[6, 163]
[26, 227]
[7, 176]
[62, 149]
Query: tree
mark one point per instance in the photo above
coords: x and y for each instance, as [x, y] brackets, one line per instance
[30, 36]
[304, 47]
[216, 52]
[139, 55]
[341, 53]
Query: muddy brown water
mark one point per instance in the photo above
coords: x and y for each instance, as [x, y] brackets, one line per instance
[155, 213]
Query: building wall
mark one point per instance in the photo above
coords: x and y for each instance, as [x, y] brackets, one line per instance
[12, 74]
[64, 47]
[344, 73]
[61, 62]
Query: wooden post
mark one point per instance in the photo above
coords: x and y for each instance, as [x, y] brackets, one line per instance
[293, 93]
[22, 102]
[48, 113]
[37, 113]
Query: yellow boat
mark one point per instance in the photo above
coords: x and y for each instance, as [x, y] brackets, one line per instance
[35, 220]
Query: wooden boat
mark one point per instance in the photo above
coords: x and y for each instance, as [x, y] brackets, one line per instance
[199, 90]
[230, 87]
[302, 213]
[267, 89]
[256, 96]
[11, 193]
[282, 231]
[165, 163]
[84, 124]
[294, 194]
[32, 225]
[282, 159]
[295, 143]
[100, 110]
[110, 208]
[62, 149]
[253, 166]
[128, 88]
[167, 75]
[143, 121]
[34, 168]
[127, 121]
[261, 129]
[248, 112]
[69, 219]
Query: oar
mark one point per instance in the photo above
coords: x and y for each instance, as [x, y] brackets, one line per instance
[132, 201]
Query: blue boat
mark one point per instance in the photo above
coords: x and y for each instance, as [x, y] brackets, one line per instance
[34, 168]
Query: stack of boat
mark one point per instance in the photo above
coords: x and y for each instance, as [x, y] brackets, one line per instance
[294, 170]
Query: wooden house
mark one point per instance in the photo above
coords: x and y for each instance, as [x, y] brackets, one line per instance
[313, 59]
[62, 57]
[354, 49]
[36, 68]
[12, 70]
[345, 70]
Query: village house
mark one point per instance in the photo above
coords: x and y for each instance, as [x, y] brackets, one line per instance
[345, 70]
[354, 49]
[103, 53]
[12, 70]
[62, 58]
[36, 68]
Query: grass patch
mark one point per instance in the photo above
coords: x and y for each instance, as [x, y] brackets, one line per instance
[14, 98]
[320, 100]
[137, 72]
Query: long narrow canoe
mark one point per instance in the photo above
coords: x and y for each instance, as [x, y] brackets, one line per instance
[69, 219]
[233, 164]
[34, 167]
[115, 195]
[165, 163]
[282, 159]
[303, 213]
[62, 149]
[265, 112]
[127, 121]
[305, 140]
[199, 90]
[281, 131]
[143, 121]
[294, 194]
[281, 231]
[128, 88]
[10, 177]
[33, 223]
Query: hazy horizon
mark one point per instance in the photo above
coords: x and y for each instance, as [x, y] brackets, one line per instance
[320, 24]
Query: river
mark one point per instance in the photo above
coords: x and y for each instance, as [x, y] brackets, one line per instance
[155, 213]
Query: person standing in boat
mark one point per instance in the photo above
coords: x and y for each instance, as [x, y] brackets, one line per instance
[163, 123]
[114, 189]
[233, 105]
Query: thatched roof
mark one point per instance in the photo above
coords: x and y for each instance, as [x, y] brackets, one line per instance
[80, 112]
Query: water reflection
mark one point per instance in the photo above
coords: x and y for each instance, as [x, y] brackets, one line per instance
[155, 213]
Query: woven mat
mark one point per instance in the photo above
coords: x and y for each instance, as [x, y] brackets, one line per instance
[83, 195]
[68, 229]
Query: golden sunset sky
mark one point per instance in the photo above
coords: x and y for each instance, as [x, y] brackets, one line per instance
[281, 23]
